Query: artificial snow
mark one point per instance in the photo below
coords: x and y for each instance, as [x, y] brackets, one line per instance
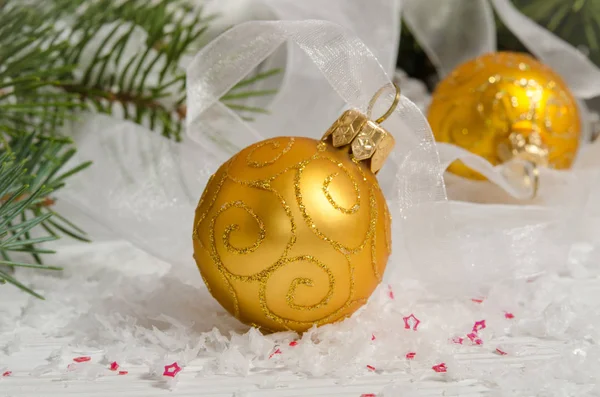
[116, 304]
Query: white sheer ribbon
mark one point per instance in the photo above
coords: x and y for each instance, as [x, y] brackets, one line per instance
[412, 179]
[444, 29]
[145, 187]
[346, 63]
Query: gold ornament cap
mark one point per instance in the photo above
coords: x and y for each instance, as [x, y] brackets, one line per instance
[368, 141]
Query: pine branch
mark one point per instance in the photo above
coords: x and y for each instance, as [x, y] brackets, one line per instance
[32, 154]
[58, 57]
[130, 53]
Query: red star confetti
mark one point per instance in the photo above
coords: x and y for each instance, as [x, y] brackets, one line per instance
[172, 370]
[370, 368]
[126, 372]
[274, 353]
[411, 322]
[114, 366]
[501, 352]
[411, 355]
[390, 292]
[82, 359]
[293, 343]
[478, 326]
[440, 368]
[475, 339]
[7, 373]
[508, 315]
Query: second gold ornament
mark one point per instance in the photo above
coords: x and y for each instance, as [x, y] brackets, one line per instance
[505, 105]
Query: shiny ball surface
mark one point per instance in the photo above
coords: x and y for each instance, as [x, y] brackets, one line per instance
[291, 233]
[482, 101]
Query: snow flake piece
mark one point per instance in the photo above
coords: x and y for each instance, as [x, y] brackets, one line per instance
[114, 366]
[82, 359]
[458, 340]
[294, 343]
[411, 322]
[411, 355]
[478, 326]
[7, 373]
[278, 351]
[370, 368]
[441, 367]
[509, 316]
[172, 370]
[390, 292]
[474, 338]
[500, 352]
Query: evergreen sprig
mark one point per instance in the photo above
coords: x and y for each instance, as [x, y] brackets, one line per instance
[58, 57]
[132, 52]
[31, 169]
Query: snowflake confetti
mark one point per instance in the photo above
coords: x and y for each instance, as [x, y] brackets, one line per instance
[440, 368]
[172, 370]
[411, 322]
[82, 359]
[478, 326]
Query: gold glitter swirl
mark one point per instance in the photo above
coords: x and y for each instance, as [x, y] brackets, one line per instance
[275, 145]
[312, 223]
[231, 228]
[335, 205]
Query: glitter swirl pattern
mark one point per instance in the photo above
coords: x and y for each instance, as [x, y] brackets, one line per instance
[292, 233]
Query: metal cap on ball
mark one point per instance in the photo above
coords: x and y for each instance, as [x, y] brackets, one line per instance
[366, 138]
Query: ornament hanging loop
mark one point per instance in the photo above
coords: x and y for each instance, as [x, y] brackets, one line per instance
[392, 107]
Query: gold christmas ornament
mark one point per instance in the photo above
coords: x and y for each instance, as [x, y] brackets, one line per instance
[294, 232]
[505, 105]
